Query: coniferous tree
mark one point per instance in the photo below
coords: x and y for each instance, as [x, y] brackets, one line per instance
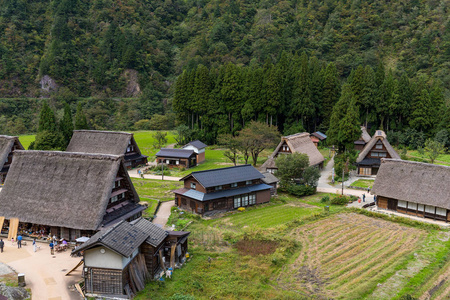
[47, 120]
[80, 118]
[331, 92]
[338, 114]
[66, 126]
[303, 106]
[349, 128]
[48, 136]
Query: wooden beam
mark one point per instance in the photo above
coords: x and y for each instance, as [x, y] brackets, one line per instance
[161, 261]
[172, 256]
[76, 267]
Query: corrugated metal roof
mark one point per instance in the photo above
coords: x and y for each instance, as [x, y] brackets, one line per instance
[175, 153]
[224, 176]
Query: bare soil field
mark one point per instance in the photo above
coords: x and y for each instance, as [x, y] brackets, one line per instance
[346, 256]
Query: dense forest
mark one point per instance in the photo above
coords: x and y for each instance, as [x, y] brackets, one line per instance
[121, 59]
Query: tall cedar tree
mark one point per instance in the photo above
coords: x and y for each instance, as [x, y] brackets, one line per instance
[338, 114]
[66, 126]
[349, 129]
[331, 92]
[48, 136]
[80, 118]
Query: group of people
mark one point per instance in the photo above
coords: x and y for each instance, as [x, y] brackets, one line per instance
[53, 244]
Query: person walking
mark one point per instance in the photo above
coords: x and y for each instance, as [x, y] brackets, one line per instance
[19, 241]
[34, 245]
[364, 197]
[2, 244]
[52, 251]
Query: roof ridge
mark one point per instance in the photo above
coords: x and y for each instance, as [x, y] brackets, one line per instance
[69, 154]
[9, 137]
[104, 131]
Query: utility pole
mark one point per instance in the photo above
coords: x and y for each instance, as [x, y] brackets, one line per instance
[345, 168]
[162, 169]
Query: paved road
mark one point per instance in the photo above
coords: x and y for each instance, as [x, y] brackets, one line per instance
[44, 273]
[163, 214]
[133, 173]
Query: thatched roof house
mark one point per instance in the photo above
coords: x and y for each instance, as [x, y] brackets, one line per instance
[69, 192]
[363, 139]
[296, 143]
[378, 147]
[7, 146]
[413, 188]
[108, 142]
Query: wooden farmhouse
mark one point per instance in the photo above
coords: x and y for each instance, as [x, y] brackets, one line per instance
[363, 140]
[222, 189]
[368, 161]
[296, 143]
[317, 137]
[182, 158]
[65, 194]
[7, 146]
[199, 149]
[108, 142]
[118, 261]
[413, 188]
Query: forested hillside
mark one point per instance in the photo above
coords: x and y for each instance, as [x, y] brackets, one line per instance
[137, 48]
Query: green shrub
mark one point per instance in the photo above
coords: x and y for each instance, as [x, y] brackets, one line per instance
[300, 190]
[340, 200]
[325, 199]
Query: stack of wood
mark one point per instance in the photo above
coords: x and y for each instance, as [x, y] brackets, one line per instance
[138, 275]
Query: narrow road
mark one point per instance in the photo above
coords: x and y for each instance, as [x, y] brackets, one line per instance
[163, 214]
[134, 174]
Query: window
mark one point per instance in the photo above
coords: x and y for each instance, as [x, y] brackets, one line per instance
[113, 199]
[441, 211]
[218, 188]
[374, 154]
[420, 207]
[272, 171]
[183, 201]
[245, 200]
[365, 171]
[401, 203]
[117, 184]
[285, 148]
[167, 161]
[379, 146]
[412, 206]
[177, 162]
[237, 201]
[251, 199]
[248, 182]
[193, 185]
[381, 154]
[234, 184]
[429, 209]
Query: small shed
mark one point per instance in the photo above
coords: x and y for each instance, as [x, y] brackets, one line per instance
[182, 158]
[271, 180]
[199, 149]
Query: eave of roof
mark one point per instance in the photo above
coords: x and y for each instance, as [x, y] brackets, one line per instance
[225, 193]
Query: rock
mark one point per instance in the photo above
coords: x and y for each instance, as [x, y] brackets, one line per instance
[48, 84]
[13, 293]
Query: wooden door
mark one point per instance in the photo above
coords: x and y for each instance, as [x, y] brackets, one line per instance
[392, 204]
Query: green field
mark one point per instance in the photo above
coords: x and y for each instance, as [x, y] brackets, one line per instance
[363, 183]
[26, 140]
[443, 159]
[156, 189]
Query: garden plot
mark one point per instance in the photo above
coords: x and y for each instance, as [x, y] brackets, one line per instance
[346, 256]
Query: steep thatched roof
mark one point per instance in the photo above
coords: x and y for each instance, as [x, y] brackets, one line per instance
[298, 143]
[102, 142]
[421, 183]
[6, 146]
[378, 136]
[60, 188]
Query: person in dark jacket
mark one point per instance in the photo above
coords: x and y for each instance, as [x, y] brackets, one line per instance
[19, 241]
[2, 244]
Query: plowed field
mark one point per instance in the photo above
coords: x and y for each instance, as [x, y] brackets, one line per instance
[346, 256]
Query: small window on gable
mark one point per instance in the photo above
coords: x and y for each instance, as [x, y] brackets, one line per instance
[379, 145]
[234, 184]
[248, 182]
[219, 187]
[193, 185]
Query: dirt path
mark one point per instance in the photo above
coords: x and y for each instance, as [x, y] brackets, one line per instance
[44, 273]
[163, 213]
[134, 174]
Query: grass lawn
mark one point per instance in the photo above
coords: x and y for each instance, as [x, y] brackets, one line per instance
[152, 204]
[26, 140]
[145, 141]
[155, 189]
[443, 159]
[363, 183]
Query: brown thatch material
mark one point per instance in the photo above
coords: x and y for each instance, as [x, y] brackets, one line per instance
[103, 142]
[298, 143]
[6, 146]
[378, 136]
[411, 181]
[60, 188]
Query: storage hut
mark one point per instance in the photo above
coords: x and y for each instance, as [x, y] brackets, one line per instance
[271, 180]
[7, 146]
[108, 142]
[119, 260]
[413, 188]
[199, 149]
[222, 189]
[296, 143]
[182, 158]
[67, 194]
[378, 147]
[318, 137]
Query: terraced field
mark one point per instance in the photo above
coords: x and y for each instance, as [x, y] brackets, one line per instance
[346, 256]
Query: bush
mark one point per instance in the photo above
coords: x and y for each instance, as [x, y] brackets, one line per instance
[301, 190]
[325, 199]
[340, 200]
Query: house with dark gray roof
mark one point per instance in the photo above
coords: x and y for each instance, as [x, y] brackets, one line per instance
[182, 158]
[7, 146]
[108, 142]
[271, 180]
[119, 260]
[199, 149]
[222, 189]
[378, 147]
[413, 188]
[68, 194]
